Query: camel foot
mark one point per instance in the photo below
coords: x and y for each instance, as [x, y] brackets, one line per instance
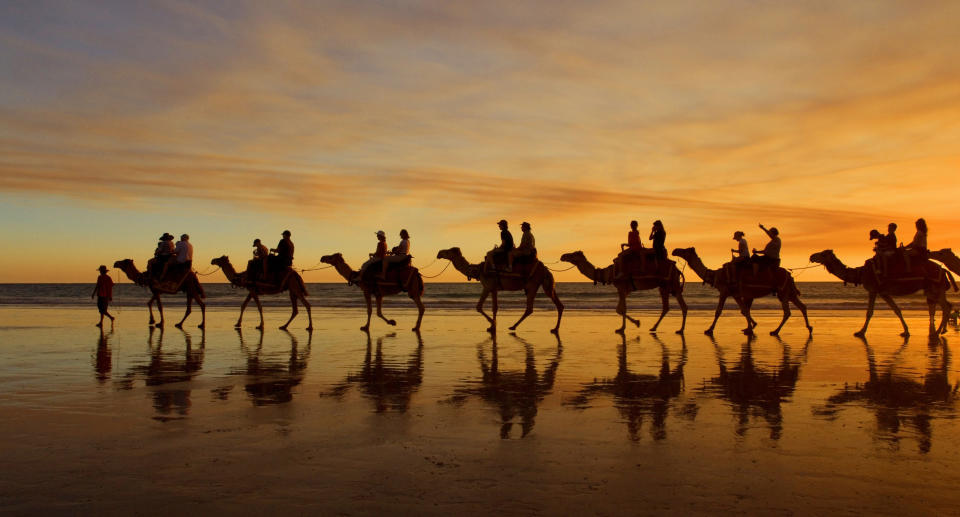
[862, 333]
[365, 328]
[237, 325]
[905, 334]
[748, 331]
[283, 327]
[708, 332]
[391, 322]
[491, 329]
[99, 325]
[653, 329]
[178, 325]
[310, 328]
[159, 325]
[259, 327]
[415, 329]
[774, 332]
[618, 331]
[555, 331]
[202, 326]
[637, 323]
[679, 332]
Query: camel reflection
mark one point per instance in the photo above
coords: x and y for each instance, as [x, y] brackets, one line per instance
[640, 395]
[516, 394]
[168, 374]
[755, 390]
[897, 399]
[271, 377]
[103, 358]
[386, 383]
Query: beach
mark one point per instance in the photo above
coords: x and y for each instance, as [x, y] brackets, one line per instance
[339, 421]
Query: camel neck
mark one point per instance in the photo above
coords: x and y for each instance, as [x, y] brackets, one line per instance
[708, 275]
[345, 271]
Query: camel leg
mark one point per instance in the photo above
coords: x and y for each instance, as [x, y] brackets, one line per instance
[947, 308]
[256, 300]
[664, 307]
[745, 306]
[243, 307]
[622, 311]
[366, 297]
[420, 308]
[186, 312]
[871, 301]
[483, 298]
[150, 308]
[716, 315]
[552, 293]
[306, 305]
[683, 311]
[293, 312]
[203, 312]
[531, 296]
[896, 310]
[932, 309]
[160, 309]
[803, 310]
[785, 303]
[380, 310]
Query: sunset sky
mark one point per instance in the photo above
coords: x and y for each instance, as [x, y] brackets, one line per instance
[233, 120]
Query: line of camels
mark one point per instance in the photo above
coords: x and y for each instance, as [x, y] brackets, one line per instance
[744, 287]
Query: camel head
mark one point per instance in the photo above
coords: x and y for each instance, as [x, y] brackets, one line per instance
[449, 254]
[573, 257]
[220, 261]
[823, 257]
[332, 259]
[684, 252]
[123, 264]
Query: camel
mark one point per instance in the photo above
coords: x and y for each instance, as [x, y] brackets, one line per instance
[668, 283]
[190, 285]
[495, 281]
[412, 283]
[289, 280]
[747, 289]
[928, 276]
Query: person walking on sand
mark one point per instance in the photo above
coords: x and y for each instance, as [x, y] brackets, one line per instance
[527, 247]
[104, 293]
[398, 254]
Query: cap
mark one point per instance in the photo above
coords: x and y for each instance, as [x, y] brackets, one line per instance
[502, 221]
[380, 233]
[737, 234]
[166, 237]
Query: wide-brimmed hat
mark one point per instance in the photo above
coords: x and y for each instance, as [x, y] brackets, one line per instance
[524, 224]
[381, 233]
[102, 268]
[166, 237]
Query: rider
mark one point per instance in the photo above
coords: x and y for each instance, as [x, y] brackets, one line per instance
[260, 254]
[162, 255]
[506, 244]
[918, 246]
[770, 255]
[184, 252]
[527, 247]
[742, 253]
[628, 250]
[379, 254]
[659, 236]
[284, 251]
[399, 253]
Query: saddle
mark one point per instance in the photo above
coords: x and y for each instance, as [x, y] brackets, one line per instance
[398, 273]
[522, 264]
[170, 283]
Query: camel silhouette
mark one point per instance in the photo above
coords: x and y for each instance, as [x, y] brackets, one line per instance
[668, 281]
[275, 283]
[494, 281]
[409, 280]
[926, 276]
[188, 284]
[748, 288]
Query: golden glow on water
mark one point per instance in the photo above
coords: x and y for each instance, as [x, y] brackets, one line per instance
[456, 417]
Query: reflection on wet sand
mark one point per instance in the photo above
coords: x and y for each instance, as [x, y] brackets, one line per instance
[637, 395]
[898, 400]
[513, 393]
[388, 384]
[103, 358]
[754, 390]
[271, 378]
[168, 374]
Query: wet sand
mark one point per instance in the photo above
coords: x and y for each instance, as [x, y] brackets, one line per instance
[339, 422]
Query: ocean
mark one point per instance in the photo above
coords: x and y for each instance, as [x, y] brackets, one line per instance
[459, 295]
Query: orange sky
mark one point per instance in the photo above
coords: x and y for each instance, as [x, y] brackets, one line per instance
[229, 122]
